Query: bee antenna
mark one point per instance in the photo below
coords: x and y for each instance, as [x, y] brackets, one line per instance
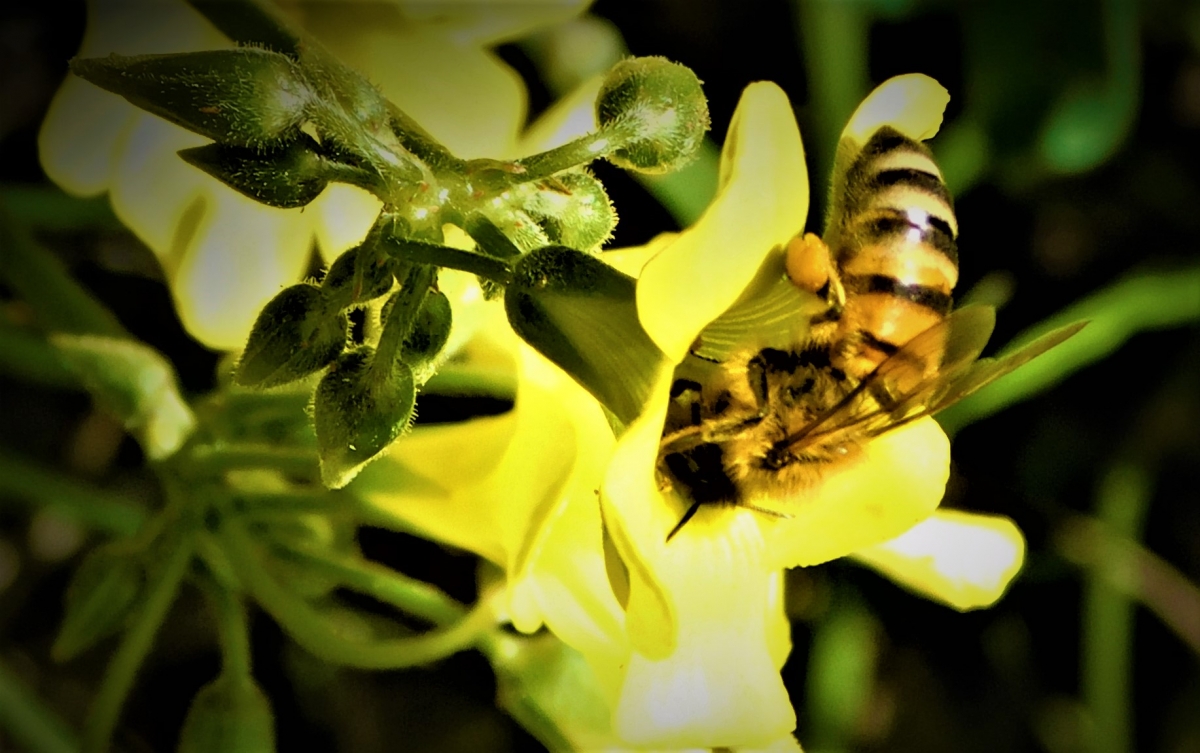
[686, 517]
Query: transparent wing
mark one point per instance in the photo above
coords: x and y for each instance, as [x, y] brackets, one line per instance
[908, 380]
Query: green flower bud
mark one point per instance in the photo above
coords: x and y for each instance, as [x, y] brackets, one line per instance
[245, 97]
[286, 176]
[582, 315]
[429, 334]
[359, 275]
[573, 209]
[102, 591]
[230, 714]
[359, 408]
[659, 110]
[294, 336]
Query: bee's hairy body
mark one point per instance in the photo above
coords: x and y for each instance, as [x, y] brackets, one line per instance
[736, 434]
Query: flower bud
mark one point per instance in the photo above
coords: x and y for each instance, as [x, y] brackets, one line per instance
[294, 336]
[244, 97]
[359, 407]
[286, 176]
[582, 315]
[573, 209]
[659, 110]
[429, 334]
[359, 275]
[230, 714]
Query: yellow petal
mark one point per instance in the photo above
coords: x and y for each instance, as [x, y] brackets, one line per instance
[84, 125]
[898, 481]
[721, 685]
[492, 22]
[760, 204]
[342, 215]
[466, 97]
[912, 104]
[961, 559]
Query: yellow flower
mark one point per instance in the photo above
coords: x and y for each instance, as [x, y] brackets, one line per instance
[225, 255]
[686, 638]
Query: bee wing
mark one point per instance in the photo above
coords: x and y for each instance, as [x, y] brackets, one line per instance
[918, 373]
[988, 370]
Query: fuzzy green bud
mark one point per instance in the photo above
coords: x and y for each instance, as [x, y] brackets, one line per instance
[295, 335]
[359, 408]
[658, 110]
[359, 275]
[230, 714]
[244, 97]
[573, 210]
[429, 334]
[286, 176]
[582, 315]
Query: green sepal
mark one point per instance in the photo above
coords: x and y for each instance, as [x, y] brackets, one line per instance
[245, 97]
[135, 382]
[359, 275]
[295, 335]
[231, 714]
[573, 210]
[658, 108]
[582, 315]
[358, 409]
[103, 590]
[286, 176]
[429, 334]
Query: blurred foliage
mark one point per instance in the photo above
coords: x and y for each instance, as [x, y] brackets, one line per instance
[1070, 145]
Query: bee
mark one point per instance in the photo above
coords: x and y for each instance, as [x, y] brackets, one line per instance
[759, 425]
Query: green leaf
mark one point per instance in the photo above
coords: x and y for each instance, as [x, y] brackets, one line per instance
[294, 336]
[231, 714]
[102, 591]
[245, 97]
[136, 383]
[359, 408]
[582, 315]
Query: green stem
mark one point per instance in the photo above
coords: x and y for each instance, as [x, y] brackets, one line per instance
[42, 281]
[216, 458]
[834, 36]
[405, 307]
[325, 641]
[419, 252]
[27, 722]
[250, 22]
[582, 151]
[93, 507]
[234, 630]
[1123, 500]
[408, 594]
[1147, 301]
[27, 355]
[106, 708]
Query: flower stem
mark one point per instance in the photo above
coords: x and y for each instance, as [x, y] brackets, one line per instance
[235, 632]
[93, 507]
[414, 287]
[419, 252]
[316, 635]
[106, 708]
[1123, 499]
[413, 596]
[581, 151]
[28, 723]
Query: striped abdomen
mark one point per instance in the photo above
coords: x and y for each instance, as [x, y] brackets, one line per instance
[893, 244]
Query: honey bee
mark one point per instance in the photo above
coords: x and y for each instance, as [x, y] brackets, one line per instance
[758, 425]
